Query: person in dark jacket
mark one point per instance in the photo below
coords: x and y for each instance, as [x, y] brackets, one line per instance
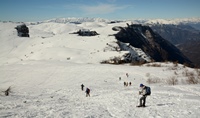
[124, 83]
[127, 75]
[143, 93]
[87, 92]
[82, 87]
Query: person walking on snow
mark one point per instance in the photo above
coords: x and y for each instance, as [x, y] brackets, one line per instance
[124, 83]
[127, 75]
[87, 92]
[144, 95]
[82, 87]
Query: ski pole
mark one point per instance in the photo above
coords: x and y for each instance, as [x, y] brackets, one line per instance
[138, 98]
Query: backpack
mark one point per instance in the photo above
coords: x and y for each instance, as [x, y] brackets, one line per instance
[88, 90]
[148, 90]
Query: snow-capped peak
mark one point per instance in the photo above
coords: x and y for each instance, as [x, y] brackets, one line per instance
[76, 20]
[173, 21]
[137, 21]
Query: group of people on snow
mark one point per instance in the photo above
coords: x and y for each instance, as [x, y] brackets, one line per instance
[87, 90]
[145, 91]
[126, 83]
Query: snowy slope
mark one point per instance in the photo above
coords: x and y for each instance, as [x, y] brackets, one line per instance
[52, 41]
[46, 70]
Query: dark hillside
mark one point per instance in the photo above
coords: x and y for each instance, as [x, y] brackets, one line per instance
[192, 50]
[151, 43]
[177, 34]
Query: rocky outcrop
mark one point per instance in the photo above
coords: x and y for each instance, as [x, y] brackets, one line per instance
[85, 32]
[22, 30]
[151, 43]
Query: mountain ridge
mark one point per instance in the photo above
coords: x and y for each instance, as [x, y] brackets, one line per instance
[190, 21]
[159, 49]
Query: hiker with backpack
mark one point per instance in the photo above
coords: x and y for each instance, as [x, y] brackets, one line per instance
[87, 92]
[144, 92]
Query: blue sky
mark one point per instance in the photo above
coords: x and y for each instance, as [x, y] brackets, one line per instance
[38, 10]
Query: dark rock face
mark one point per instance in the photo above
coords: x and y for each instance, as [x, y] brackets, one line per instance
[151, 43]
[85, 32]
[22, 30]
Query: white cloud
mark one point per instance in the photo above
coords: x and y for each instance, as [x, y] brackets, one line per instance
[101, 8]
[111, 0]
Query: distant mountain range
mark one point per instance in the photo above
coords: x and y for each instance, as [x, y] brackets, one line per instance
[190, 21]
[184, 36]
[194, 22]
[176, 34]
[192, 50]
[76, 20]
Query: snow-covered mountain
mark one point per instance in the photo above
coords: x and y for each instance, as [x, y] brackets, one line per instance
[56, 39]
[77, 20]
[173, 21]
[139, 21]
[191, 21]
[194, 22]
[46, 70]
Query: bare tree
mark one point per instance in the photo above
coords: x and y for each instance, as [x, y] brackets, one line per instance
[172, 81]
[192, 80]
